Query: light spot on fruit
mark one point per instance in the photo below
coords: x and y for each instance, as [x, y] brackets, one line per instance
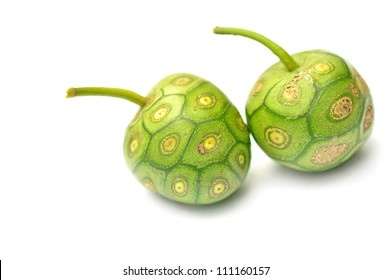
[240, 123]
[209, 143]
[257, 88]
[169, 144]
[134, 145]
[303, 74]
[159, 113]
[368, 118]
[206, 100]
[354, 90]
[277, 137]
[322, 67]
[148, 184]
[181, 81]
[241, 160]
[341, 108]
[219, 187]
[328, 153]
[291, 94]
[179, 187]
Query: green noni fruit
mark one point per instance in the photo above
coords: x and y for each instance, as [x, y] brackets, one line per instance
[187, 142]
[311, 111]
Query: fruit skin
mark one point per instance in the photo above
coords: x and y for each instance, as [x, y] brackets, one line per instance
[313, 118]
[189, 142]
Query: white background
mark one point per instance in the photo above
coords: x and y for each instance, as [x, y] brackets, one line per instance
[69, 207]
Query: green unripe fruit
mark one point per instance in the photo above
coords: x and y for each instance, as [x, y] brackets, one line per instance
[187, 142]
[311, 111]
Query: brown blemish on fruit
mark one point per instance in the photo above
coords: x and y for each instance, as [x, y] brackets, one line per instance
[368, 118]
[341, 108]
[277, 137]
[169, 144]
[209, 143]
[328, 153]
[354, 90]
[218, 188]
[296, 78]
[291, 94]
[303, 74]
[201, 149]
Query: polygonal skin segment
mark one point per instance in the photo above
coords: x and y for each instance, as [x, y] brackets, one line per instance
[168, 144]
[204, 103]
[135, 143]
[210, 143]
[182, 184]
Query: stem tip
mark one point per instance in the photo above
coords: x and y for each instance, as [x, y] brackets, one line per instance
[71, 92]
[217, 30]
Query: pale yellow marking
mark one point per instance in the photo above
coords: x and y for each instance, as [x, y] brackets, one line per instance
[241, 160]
[161, 112]
[219, 187]
[240, 123]
[134, 145]
[257, 88]
[181, 81]
[323, 68]
[206, 100]
[277, 137]
[209, 143]
[148, 184]
[179, 187]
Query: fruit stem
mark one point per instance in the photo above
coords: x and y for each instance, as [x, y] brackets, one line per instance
[284, 57]
[112, 92]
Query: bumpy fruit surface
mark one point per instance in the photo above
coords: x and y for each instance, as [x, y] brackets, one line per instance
[312, 118]
[188, 142]
[311, 113]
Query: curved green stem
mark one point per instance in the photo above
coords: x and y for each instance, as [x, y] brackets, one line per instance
[103, 91]
[284, 57]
